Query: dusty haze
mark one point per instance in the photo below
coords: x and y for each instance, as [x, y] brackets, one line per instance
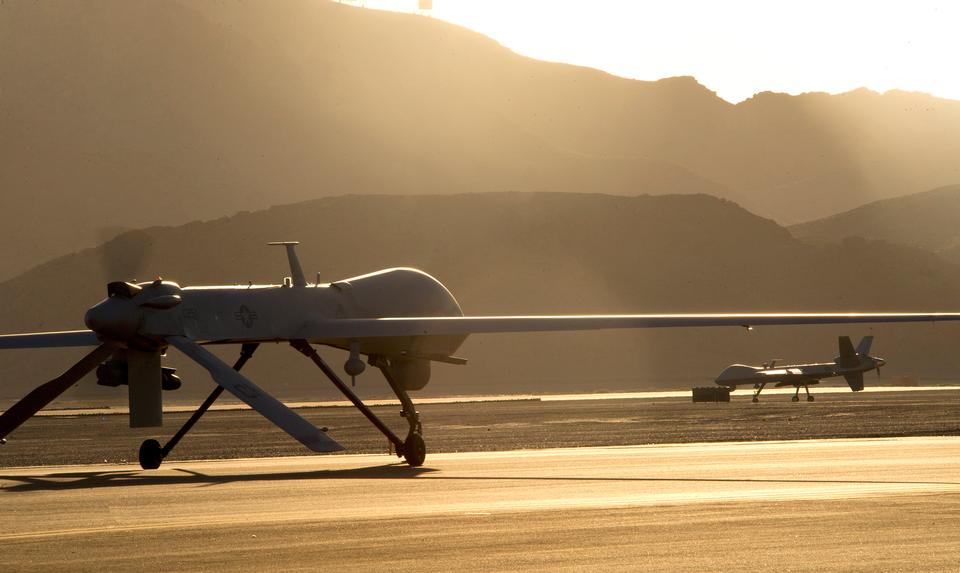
[122, 114]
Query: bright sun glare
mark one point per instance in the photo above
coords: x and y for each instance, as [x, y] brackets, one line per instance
[735, 48]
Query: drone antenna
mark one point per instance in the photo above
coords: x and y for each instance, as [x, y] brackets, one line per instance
[296, 271]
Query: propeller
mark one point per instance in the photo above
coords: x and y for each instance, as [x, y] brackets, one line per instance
[46, 393]
[124, 252]
[877, 363]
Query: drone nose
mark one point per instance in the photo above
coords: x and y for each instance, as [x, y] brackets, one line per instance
[114, 318]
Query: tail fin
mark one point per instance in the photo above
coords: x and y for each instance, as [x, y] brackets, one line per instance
[848, 356]
[863, 349]
[854, 380]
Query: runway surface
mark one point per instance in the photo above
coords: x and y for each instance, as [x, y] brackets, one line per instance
[850, 505]
[745, 391]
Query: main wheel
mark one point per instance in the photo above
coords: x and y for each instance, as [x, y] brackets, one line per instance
[755, 399]
[414, 450]
[151, 455]
[795, 399]
[809, 398]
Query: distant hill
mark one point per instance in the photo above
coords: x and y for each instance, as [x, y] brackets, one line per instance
[124, 114]
[522, 253]
[925, 220]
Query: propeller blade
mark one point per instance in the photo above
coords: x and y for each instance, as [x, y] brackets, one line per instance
[49, 339]
[255, 397]
[43, 395]
[124, 252]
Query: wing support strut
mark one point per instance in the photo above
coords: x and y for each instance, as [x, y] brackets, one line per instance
[412, 449]
[151, 454]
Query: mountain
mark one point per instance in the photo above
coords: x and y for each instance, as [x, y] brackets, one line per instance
[524, 253]
[125, 114]
[925, 220]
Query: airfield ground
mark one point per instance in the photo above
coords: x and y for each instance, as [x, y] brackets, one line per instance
[522, 486]
[888, 504]
[503, 425]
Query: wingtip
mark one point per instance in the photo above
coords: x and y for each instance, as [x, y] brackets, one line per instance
[321, 443]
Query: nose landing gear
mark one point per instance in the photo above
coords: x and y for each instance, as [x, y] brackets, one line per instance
[152, 454]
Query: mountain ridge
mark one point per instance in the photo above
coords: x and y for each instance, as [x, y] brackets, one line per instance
[134, 114]
[924, 220]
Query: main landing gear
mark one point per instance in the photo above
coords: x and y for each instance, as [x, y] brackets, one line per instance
[152, 453]
[757, 388]
[412, 449]
[796, 396]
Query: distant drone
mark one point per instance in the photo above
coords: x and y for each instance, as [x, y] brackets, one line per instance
[851, 364]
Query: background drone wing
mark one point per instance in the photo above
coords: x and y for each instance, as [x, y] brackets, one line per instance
[318, 331]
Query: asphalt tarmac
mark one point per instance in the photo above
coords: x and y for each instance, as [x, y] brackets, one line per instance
[503, 425]
[890, 504]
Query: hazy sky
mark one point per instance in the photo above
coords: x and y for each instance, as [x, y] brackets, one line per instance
[735, 48]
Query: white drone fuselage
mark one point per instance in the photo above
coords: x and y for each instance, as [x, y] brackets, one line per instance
[266, 313]
[274, 313]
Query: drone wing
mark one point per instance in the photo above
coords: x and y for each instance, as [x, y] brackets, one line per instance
[462, 325]
[23, 410]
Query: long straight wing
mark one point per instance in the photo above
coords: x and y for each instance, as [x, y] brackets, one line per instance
[255, 397]
[439, 326]
[49, 339]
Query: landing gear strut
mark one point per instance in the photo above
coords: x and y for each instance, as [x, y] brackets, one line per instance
[412, 449]
[757, 388]
[152, 454]
[796, 396]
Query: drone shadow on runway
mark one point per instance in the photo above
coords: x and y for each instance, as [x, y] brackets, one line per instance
[129, 478]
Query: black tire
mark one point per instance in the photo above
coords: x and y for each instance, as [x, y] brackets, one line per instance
[755, 400]
[151, 455]
[414, 450]
[795, 399]
[809, 398]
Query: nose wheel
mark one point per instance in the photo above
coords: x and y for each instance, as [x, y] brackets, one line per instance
[151, 454]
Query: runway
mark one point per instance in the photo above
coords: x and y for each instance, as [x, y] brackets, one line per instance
[795, 505]
[229, 404]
